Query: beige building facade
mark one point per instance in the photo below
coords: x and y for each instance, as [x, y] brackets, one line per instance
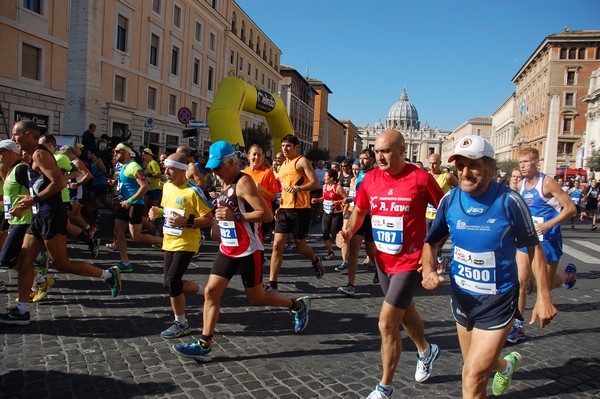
[336, 137]
[352, 142]
[299, 97]
[503, 135]
[321, 119]
[128, 66]
[550, 114]
[592, 129]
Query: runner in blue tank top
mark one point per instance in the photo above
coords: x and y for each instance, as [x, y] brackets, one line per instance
[545, 198]
[486, 222]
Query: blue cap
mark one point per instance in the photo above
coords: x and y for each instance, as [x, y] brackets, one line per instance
[217, 152]
[356, 162]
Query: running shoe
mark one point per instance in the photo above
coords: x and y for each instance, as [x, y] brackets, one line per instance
[13, 317]
[329, 256]
[114, 282]
[157, 246]
[380, 393]
[343, 266]
[41, 264]
[177, 330]
[501, 381]
[425, 365]
[194, 350]
[347, 290]
[318, 266]
[2, 286]
[43, 289]
[92, 232]
[113, 245]
[95, 247]
[516, 335]
[289, 246]
[301, 315]
[571, 269]
[125, 268]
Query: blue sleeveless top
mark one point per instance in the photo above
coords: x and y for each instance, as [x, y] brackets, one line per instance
[542, 208]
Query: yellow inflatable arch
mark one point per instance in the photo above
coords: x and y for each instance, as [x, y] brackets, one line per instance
[234, 96]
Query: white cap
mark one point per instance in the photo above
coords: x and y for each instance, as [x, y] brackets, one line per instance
[10, 146]
[472, 147]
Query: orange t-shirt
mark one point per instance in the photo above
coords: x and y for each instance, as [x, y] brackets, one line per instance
[266, 178]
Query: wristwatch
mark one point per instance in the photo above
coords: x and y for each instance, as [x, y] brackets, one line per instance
[190, 222]
[238, 217]
[296, 188]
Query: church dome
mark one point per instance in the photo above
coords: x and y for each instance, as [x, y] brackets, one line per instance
[403, 114]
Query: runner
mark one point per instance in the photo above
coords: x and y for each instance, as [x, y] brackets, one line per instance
[240, 210]
[48, 225]
[486, 222]
[397, 193]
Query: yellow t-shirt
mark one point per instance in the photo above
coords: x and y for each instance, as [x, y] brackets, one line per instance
[152, 169]
[289, 177]
[185, 200]
[445, 186]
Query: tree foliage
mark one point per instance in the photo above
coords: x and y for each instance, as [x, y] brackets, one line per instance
[315, 154]
[507, 166]
[593, 161]
[257, 135]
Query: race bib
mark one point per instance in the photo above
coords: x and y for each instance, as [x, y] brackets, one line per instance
[538, 220]
[431, 208]
[475, 271]
[7, 214]
[387, 233]
[35, 207]
[171, 230]
[228, 234]
[327, 206]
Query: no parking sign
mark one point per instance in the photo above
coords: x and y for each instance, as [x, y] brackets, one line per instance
[184, 115]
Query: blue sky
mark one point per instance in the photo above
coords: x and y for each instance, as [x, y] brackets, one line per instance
[456, 57]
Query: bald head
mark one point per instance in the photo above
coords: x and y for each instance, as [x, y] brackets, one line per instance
[390, 150]
[393, 137]
[435, 163]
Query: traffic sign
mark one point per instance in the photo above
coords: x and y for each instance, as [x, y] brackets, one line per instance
[184, 115]
[198, 124]
[149, 124]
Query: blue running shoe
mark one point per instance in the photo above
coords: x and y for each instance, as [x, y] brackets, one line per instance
[301, 315]
[13, 317]
[516, 335]
[114, 282]
[194, 350]
[128, 268]
[177, 330]
[571, 269]
[380, 393]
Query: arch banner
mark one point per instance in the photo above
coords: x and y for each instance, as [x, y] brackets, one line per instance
[233, 96]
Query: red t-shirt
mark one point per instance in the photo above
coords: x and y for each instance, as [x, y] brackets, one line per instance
[397, 205]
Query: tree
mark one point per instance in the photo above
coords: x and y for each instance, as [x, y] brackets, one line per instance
[507, 166]
[256, 135]
[593, 161]
[314, 154]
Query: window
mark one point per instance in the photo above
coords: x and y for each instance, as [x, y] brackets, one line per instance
[256, 74]
[177, 16]
[249, 69]
[212, 42]
[232, 57]
[175, 60]
[567, 125]
[121, 33]
[565, 148]
[572, 53]
[198, 35]
[479, 131]
[569, 99]
[563, 53]
[120, 85]
[172, 104]
[156, 6]
[210, 78]
[570, 78]
[31, 61]
[33, 5]
[581, 54]
[196, 72]
[263, 79]
[195, 110]
[154, 44]
[241, 65]
[598, 53]
[213, 3]
[151, 103]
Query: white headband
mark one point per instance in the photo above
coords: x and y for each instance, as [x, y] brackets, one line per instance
[175, 165]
